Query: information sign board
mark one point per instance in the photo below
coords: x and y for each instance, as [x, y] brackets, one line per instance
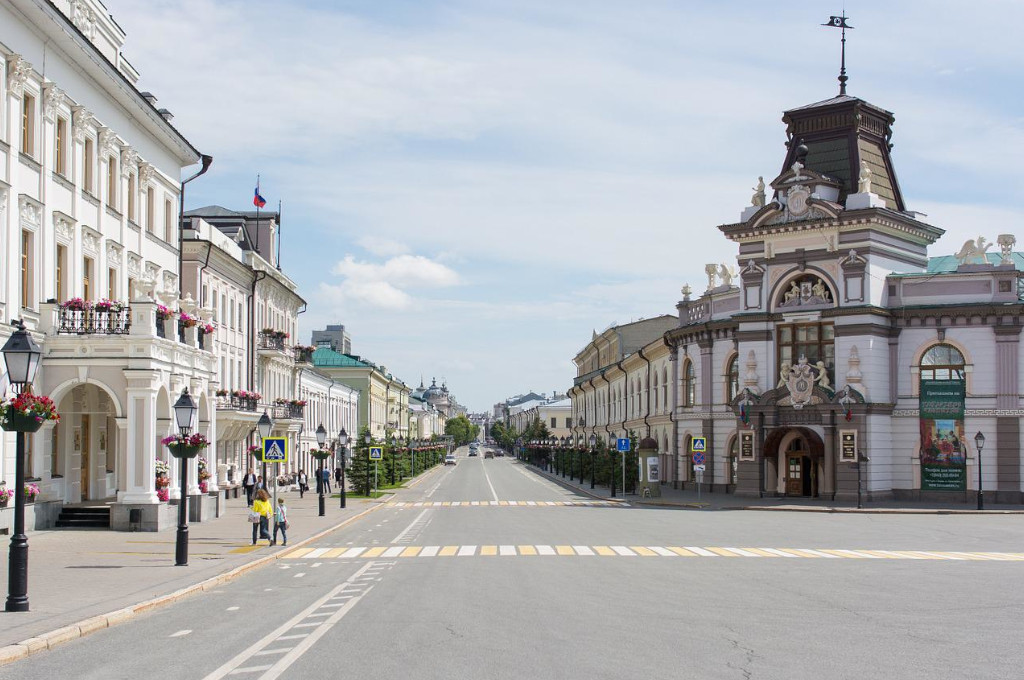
[376, 453]
[698, 458]
[275, 450]
[699, 444]
[622, 444]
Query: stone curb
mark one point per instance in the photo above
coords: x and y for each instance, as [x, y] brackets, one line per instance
[568, 485]
[20, 650]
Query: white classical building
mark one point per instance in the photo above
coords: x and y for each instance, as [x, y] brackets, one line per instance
[330, 403]
[89, 184]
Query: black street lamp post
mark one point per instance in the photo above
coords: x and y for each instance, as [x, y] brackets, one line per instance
[264, 426]
[321, 456]
[611, 459]
[343, 443]
[392, 450]
[184, 415]
[368, 439]
[979, 439]
[593, 456]
[22, 355]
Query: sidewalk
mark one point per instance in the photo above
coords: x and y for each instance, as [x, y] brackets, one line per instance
[720, 501]
[80, 581]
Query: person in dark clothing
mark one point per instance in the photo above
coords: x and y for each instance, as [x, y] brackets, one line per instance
[249, 484]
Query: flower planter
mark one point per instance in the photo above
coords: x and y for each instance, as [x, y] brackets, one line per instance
[19, 422]
[184, 451]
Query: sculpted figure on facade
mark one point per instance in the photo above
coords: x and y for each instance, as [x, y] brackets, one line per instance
[864, 180]
[1006, 243]
[823, 375]
[973, 251]
[727, 274]
[758, 198]
[712, 271]
[793, 293]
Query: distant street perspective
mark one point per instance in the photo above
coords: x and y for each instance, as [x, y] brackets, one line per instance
[473, 564]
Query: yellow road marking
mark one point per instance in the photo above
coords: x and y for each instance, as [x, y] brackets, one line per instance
[373, 552]
[799, 553]
[448, 551]
[723, 552]
[683, 552]
[604, 551]
[488, 550]
[411, 551]
[564, 550]
[762, 553]
[334, 552]
[527, 550]
[299, 552]
[642, 551]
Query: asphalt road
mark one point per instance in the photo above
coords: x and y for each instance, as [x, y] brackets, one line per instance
[452, 580]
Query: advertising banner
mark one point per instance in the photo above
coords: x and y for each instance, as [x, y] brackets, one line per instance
[943, 453]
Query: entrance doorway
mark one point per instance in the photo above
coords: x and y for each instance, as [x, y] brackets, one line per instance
[794, 457]
[798, 475]
[85, 440]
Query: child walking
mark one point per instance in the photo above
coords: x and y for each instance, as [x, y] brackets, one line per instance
[280, 522]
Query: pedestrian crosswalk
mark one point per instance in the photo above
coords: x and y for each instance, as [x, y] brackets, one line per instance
[638, 551]
[521, 504]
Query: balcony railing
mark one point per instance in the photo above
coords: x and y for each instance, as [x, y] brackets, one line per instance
[93, 321]
[270, 341]
[289, 411]
[241, 403]
[304, 355]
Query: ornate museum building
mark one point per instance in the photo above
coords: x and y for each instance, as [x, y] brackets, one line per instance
[838, 339]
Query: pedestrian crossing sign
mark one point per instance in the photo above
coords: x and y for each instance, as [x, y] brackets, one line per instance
[699, 444]
[376, 453]
[275, 450]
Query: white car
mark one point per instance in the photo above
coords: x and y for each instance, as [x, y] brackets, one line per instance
[449, 459]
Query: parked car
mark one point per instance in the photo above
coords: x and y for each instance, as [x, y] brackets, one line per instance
[488, 454]
[449, 459]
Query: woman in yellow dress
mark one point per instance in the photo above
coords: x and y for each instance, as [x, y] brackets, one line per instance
[262, 507]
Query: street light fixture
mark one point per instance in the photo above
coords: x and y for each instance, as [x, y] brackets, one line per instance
[391, 455]
[343, 443]
[185, 410]
[979, 440]
[321, 440]
[22, 356]
[368, 439]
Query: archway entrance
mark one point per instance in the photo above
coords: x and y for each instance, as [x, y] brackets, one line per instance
[85, 452]
[797, 453]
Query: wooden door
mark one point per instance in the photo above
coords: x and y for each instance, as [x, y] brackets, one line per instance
[84, 461]
[794, 475]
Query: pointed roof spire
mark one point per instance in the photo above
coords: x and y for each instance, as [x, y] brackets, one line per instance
[840, 22]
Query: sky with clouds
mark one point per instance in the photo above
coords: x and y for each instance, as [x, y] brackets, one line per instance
[473, 186]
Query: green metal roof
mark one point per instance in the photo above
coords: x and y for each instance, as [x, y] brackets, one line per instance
[325, 356]
[948, 263]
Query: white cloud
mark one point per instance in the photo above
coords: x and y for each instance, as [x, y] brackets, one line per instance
[382, 247]
[387, 285]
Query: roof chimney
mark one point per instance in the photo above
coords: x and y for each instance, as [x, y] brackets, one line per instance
[149, 97]
[167, 115]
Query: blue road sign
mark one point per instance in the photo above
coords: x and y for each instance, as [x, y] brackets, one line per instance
[376, 453]
[622, 444]
[275, 450]
[698, 457]
[699, 444]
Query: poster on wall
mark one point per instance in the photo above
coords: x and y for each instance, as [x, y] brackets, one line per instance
[943, 453]
[652, 470]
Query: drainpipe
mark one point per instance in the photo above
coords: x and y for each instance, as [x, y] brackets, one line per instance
[647, 412]
[674, 360]
[207, 161]
[257, 277]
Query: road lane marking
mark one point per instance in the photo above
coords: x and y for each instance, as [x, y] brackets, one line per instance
[527, 550]
[604, 550]
[430, 551]
[410, 527]
[488, 478]
[583, 550]
[545, 550]
[682, 552]
[642, 551]
[506, 550]
[564, 550]
[181, 633]
[410, 552]
[467, 551]
[700, 551]
[488, 550]
[448, 551]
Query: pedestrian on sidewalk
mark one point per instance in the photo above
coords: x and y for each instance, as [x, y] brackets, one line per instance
[303, 487]
[337, 477]
[259, 483]
[327, 480]
[262, 507]
[249, 484]
[280, 522]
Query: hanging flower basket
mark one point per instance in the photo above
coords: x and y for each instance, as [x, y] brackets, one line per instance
[26, 413]
[185, 447]
[320, 454]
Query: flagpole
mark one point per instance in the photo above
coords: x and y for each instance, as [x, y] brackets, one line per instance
[257, 218]
[842, 62]
[279, 234]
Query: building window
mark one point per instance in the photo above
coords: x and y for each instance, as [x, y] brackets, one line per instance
[131, 287]
[814, 342]
[87, 278]
[26, 269]
[55, 451]
[111, 283]
[942, 362]
[62, 268]
[168, 220]
[112, 182]
[150, 210]
[131, 197]
[732, 379]
[554, 422]
[28, 124]
[568, 423]
[88, 159]
[689, 384]
[60, 160]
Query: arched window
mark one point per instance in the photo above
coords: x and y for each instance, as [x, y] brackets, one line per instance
[689, 384]
[732, 378]
[657, 403]
[664, 388]
[942, 362]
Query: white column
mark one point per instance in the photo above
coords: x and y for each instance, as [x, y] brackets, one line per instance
[142, 437]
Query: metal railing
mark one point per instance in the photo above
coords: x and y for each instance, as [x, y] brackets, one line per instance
[268, 341]
[93, 321]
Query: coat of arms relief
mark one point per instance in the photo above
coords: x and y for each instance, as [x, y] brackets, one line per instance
[800, 381]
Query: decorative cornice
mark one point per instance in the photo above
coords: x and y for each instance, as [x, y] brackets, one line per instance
[108, 140]
[91, 240]
[146, 172]
[31, 213]
[129, 160]
[81, 119]
[64, 229]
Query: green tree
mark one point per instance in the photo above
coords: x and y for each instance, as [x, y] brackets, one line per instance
[361, 471]
[461, 430]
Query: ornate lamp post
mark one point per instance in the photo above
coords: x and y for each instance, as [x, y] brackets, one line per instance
[593, 456]
[22, 356]
[321, 455]
[611, 458]
[391, 455]
[979, 440]
[185, 410]
[264, 426]
[368, 439]
[343, 444]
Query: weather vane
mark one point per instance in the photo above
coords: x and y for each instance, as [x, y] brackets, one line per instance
[840, 22]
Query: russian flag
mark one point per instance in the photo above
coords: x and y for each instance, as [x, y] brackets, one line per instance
[258, 200]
